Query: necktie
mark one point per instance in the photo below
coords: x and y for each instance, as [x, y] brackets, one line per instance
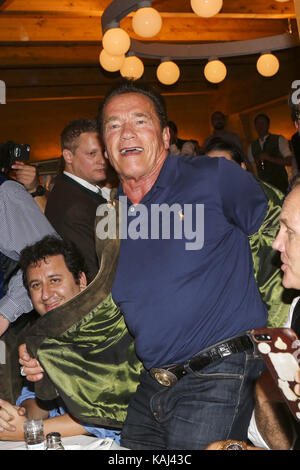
[99, 195]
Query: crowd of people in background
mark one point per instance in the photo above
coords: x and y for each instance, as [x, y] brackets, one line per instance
[271, 157]
[147, 328]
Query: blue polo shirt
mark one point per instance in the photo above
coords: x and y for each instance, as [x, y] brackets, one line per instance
[176, 299]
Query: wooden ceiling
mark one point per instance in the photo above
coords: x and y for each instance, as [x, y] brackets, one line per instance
[68, 32]
[49, 62]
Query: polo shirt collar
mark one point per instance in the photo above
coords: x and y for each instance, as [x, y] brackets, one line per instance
[165, 178]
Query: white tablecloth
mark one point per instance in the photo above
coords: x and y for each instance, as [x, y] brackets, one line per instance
[71, 443]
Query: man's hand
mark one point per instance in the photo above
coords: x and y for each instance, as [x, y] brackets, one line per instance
[4, 324]
[31, 367]
[27, 175]
[265, 156]
[219, 445]
[11, 419]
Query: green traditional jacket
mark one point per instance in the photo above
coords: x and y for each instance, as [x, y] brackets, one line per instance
[266, 261]
[86, 350]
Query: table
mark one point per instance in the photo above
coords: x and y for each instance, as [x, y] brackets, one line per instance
[81, 442]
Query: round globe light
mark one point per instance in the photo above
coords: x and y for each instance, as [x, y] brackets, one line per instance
[132, 68]
[168, 72]
[215, 71]
[147, 22]
[111, 63]
[116, 41]
[206, 8]
[267, 65]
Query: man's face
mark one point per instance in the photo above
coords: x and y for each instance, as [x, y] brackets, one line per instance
[262, 126]
[135, 144]
[51, 283]
[218, 121]
[87, 161]
[288, 240]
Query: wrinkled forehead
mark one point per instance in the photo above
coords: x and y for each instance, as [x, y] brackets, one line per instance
[290, 213]
[125, 101]
[48, 263]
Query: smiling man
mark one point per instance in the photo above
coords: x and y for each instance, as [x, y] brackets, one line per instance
[53, 273]
[53, 279]
[188, 311]
[137, 144]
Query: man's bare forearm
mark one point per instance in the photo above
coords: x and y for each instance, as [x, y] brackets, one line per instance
[275, 425]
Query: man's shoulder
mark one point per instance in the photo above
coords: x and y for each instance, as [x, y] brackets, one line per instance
[14, 192]
[68, 196]
[61, 183]
[195, 168]
[192, 162]
[275, 136]
[11, 186]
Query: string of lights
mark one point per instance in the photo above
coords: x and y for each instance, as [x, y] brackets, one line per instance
[122, 53]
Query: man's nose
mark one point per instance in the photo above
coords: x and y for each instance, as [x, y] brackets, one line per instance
[127, 131]
[46, 292]
[100, 158]
[278, 243]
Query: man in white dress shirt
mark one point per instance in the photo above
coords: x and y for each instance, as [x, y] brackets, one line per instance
[269, 154]
[273, 426]
[72, 203]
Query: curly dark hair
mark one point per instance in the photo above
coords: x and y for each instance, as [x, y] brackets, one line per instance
[52, 246]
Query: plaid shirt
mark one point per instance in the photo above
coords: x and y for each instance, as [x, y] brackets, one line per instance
[21, 223]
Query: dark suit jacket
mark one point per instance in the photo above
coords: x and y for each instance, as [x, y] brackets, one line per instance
[71, 209]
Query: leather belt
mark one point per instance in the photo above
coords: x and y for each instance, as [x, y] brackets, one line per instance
[169, 375]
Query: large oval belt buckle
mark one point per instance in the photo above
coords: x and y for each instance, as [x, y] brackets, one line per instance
[163, 377]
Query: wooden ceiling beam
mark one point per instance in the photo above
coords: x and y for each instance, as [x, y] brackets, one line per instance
[167, 9]
[229, 6]
[15, 28]
[49, 55]
[269, 7]
[56, 5]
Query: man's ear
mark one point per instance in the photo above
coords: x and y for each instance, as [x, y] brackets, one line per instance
[82, 281]
[166, 137]
[296, 125]
[67, 156]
